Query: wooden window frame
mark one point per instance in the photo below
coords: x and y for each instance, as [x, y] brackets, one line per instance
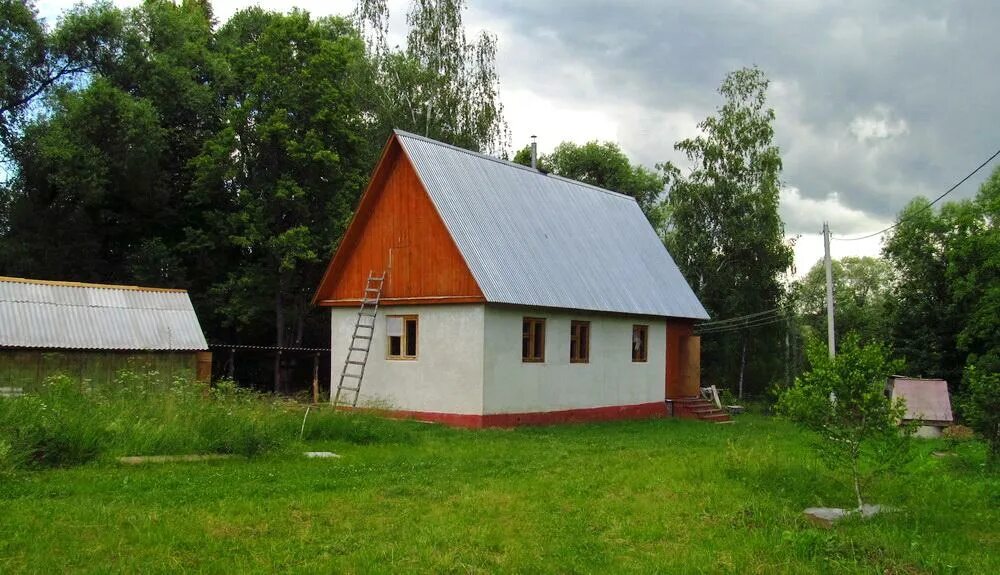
[530, 333]
[403, 338]
[579, 341]
[643, 355]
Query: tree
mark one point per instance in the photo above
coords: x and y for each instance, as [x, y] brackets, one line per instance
[862, 291]
[605, 165]
[90, 188]
[724, 229]
[441, 85]
[843, 401]
[947, 296]
[151, 71]
[34, 60]
[981, 409]
[290, 161]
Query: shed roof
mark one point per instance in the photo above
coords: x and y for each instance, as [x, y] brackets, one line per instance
[926, 399]
[531, 238]
[69, 315]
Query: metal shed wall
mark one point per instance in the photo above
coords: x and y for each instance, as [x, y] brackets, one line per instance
[51, 315]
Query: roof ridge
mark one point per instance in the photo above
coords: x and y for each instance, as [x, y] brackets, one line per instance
[528, 169]
[58, 283]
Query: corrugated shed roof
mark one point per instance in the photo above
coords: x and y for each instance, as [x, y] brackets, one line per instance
[64, 315]
[926, 399]
[541, 240]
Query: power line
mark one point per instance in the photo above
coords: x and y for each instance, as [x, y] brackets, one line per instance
[719, 323]
[738, 327]
[928, 206]
[742, 327]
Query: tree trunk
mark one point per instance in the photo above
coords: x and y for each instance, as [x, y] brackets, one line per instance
[279, 327]
[788, 353]
[743, 364]
[855, 454]
[300, 319]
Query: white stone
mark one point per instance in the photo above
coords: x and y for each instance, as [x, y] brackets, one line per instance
[827, 516]
[320, 454]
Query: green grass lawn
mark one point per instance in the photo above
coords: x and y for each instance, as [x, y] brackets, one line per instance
[652, 496]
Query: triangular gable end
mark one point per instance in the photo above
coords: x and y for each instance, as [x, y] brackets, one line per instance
[397, 229]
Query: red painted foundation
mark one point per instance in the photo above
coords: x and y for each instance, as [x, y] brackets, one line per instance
[638, 411]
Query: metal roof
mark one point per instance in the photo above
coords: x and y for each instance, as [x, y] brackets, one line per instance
[535, 239]
[926, 399]
[64, 315]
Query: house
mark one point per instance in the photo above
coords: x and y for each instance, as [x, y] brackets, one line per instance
[92, 331]
[927, 402]
[511, 296]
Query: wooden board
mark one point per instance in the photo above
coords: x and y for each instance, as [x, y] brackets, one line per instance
[398, 229]
[677, 382]
[691, 372]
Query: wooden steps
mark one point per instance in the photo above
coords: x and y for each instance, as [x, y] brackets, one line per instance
[697, 408]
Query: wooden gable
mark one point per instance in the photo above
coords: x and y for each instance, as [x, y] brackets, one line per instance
[398, 230]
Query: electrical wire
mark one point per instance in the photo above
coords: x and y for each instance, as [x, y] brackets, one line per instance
[927, 207]
[720, 322]
[740, 327]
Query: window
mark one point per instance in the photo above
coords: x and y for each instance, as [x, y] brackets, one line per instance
[640, 341]
[579, 342]
[533, 340]
[402, 336]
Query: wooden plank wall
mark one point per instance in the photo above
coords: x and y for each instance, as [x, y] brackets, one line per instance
[28, 369]
[677, 382]
[397, 215]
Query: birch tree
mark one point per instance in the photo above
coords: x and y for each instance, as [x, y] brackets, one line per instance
[440, 85]
[725, 232]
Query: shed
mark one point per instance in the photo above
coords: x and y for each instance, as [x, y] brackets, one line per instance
[927, 401]
[93, 331]
[510, 295]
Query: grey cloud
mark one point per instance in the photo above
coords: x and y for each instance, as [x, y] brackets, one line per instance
[931, 65]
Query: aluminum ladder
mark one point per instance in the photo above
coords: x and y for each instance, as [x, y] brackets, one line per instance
[361, 342]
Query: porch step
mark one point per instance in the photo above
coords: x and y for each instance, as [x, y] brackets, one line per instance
[699, 408]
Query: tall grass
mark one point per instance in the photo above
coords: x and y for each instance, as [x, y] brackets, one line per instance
[68, 422]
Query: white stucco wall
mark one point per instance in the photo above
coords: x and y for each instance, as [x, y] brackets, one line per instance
[609, 379]
[446, 377]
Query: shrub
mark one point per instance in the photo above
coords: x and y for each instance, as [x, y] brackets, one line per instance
[843, 401]
[981, 408]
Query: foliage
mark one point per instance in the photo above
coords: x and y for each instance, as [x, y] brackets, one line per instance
[225, 159]
[605, 165]
[660, 496]
[441, 85]
[862, 289]
[843, 401]
[287, 168]
[120, 145]
[725, 232]
[34, 60]
[981, 408]
[947, 297]
[68, 423]
[93, 167]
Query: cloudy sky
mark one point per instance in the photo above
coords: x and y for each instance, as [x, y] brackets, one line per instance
[876, 101]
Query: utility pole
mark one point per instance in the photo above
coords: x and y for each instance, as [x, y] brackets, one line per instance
[829, 289]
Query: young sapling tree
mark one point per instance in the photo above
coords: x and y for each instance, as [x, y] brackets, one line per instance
[843, 401]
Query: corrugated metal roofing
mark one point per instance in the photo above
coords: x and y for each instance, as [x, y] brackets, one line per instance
[541, 240]
[926, 399]
[60, 315]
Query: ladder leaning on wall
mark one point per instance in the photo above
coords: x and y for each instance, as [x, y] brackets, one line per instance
[361, 342]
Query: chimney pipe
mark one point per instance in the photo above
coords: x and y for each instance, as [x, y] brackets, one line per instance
[534, 153]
